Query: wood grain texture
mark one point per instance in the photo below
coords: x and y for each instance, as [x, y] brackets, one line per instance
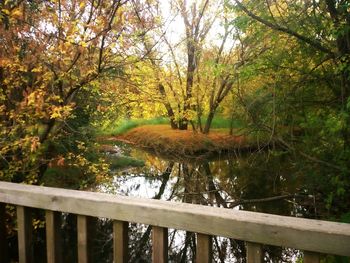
[83, 243]
[53, 236]
[204, 248]
[159, 244]
[311, 257]
[120, 241]
[25, 242]
[254, 253]
[305, 234]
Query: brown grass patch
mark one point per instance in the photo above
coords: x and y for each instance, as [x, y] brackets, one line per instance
[163, 139]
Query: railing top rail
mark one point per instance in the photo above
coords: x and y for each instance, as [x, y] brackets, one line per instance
[306, 234]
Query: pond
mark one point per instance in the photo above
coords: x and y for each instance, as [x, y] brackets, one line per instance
[256, 181]
[230, 180]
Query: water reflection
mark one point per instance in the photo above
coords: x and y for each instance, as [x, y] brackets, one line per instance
[230, 182]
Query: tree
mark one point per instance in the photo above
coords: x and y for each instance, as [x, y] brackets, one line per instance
[301, 82]
[179, 62]
[51, 52]
[333, 44]
[196, 29]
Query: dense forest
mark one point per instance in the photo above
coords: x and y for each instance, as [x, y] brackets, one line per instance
[275, 72]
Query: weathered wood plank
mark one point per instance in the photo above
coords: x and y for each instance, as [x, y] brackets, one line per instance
[204, 248]
[53, 236]
[311, 257]
[83, 242]
[3, 242]
[254, 252]
[304, 234]
[25, 242]
[159, 244]
[86, 228]
[120, 241]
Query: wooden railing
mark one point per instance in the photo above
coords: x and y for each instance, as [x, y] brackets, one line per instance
[311, 236]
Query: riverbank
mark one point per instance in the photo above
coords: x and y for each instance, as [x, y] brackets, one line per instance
[164, 140]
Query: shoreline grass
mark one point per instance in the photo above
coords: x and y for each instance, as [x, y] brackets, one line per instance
[128, 124]
[164, 140]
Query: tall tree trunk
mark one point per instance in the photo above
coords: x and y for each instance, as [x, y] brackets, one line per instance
[191, 67]
[168, 107]
[183, 124]
[194, 35]
[209, 121]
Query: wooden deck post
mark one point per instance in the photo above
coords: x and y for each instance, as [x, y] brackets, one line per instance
[254, 252]
[82, 239]
[53, 236]
[204, 248]
[85, 229]
[25, 243]
[159, 244]
[311, 257]
[4, 257]
[120, 241]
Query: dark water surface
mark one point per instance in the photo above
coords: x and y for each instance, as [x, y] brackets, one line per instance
[259, 182]
[231, 181]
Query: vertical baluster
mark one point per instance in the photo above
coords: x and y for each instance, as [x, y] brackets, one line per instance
[83, 242]
[53, 236]
[3, 242]
[120, 241]
[311, 257]
[204, 248]
[254, 252]
[159, 244]
[25, 244]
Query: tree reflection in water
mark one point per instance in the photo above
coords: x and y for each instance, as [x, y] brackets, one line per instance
[228, 181]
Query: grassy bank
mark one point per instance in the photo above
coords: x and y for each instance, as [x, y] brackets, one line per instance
[223, 123]
[164, 140]
[126, 125]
